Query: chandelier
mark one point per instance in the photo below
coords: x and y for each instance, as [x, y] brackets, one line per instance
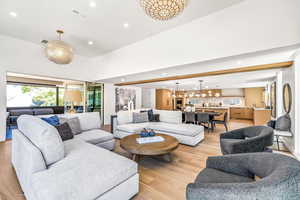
[175, 91]
[163, 9]
[58, 51]
[200, 89]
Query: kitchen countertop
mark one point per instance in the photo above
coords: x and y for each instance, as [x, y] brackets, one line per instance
[212, 107]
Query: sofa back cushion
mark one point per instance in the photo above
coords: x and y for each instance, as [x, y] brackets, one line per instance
[173, 117]
[88, 120]
[140, 117]
[19, 112]
[44, 136]
[43, 111]
[124, 117]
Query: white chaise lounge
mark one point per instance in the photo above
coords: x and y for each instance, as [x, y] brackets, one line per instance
[170, 123]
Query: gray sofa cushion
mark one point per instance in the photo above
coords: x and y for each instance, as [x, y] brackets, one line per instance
[86, 172]
[95, 136]
[283, 123]
[140, 117]
[43, 136]
[43, 111]
[19, 112]
[209, 175]
[73, 123]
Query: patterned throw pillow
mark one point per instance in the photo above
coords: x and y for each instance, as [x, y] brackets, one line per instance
[140, 117]
[64, 131]
[73, 123]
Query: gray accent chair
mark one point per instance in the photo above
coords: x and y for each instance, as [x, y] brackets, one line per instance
[247, 140]
[232, 177]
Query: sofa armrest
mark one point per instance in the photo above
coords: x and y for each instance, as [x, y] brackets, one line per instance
[234, 164]
[26, 158]
[113, 123]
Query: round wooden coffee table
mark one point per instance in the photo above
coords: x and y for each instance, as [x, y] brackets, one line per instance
[162, 149]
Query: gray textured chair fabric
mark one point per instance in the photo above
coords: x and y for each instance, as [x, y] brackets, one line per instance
[280, 178]
[190, 117]
[247, 140]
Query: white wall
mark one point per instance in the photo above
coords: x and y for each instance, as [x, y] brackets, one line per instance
[110, 100]
[292, 76]
[288, 76]
[250, 26]
[2, 104]
[148, 98]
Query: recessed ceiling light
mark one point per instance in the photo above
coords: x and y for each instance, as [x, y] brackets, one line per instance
[90, 42]
[206, 87]
[13, 14]
[125, 25]
[93, 4]
[122, 79]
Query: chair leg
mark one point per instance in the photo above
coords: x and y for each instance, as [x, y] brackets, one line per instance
[226, 127]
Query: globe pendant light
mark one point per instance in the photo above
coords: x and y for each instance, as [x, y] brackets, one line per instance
[58, 51]
[163, 9]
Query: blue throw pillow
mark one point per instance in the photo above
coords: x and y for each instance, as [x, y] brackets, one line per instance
[54, 120]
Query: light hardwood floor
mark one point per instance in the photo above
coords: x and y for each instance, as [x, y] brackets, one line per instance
[158, 180]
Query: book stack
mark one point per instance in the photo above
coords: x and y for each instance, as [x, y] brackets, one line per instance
[146, 140]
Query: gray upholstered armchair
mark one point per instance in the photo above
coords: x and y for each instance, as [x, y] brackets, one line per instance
[247, 140]
[231, 177]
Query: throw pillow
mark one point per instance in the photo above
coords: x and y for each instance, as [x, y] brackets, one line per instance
[150, 115]
[73, 123]
[54, 120]
[65, 131]
[140, 117]
[283, 123]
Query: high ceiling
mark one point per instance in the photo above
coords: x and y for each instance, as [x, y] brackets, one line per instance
[109, 24]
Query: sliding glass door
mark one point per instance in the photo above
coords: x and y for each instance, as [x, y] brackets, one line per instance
[94, 98]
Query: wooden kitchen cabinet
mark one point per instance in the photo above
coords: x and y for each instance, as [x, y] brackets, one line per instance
[241, 113]
[164, 100]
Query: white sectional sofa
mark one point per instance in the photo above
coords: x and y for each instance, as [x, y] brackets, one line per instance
[76, 169]
[170, 123]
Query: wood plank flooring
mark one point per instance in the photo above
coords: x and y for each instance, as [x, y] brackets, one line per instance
[158, 180]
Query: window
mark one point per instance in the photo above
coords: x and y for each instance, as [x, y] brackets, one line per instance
[26, 95]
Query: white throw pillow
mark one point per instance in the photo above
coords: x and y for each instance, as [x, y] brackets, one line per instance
[124, 117]
[43, 136]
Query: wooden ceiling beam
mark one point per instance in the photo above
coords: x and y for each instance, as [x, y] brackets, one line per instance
[213, 73]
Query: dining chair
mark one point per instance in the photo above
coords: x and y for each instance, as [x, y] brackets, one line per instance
[203, 118]
[223, 121]
[190, 117]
